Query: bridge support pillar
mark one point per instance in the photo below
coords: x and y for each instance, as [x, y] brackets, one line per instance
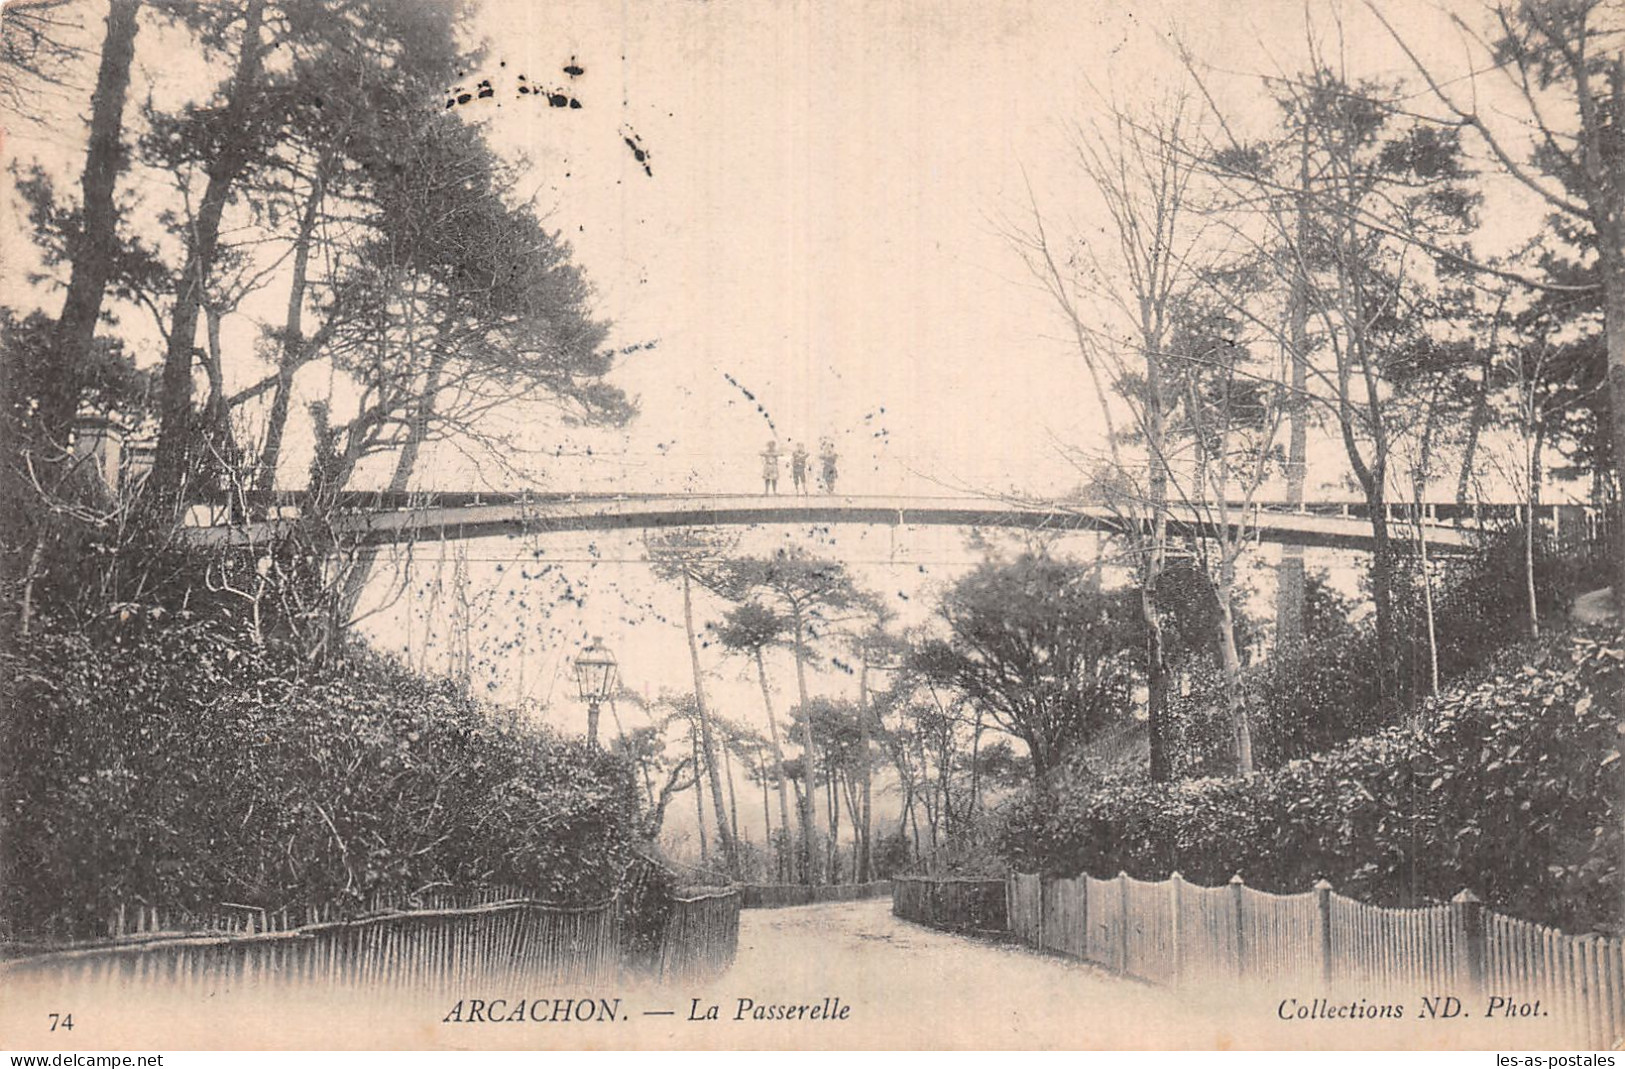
[1289, 595]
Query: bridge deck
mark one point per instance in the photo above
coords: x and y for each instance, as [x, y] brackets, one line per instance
[541, 515]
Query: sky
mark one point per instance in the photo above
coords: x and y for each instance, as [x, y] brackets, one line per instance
[820, 224]
[816, 239]
[817, 232]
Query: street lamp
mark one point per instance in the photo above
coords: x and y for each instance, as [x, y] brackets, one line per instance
[595, 676]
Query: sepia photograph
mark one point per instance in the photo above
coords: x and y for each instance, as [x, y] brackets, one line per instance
[722, 526]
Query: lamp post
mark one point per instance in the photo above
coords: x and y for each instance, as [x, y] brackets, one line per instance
[865, 865]
[595, 669]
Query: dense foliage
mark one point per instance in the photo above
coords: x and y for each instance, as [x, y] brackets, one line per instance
[161, 761]
[1038, 645]
[1512, 788]
[1321, 692]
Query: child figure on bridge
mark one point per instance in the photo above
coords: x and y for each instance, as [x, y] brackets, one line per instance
[826, 454]
[770, 468]
[798, 468]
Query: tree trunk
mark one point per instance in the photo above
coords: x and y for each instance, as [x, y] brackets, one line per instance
[1382, 598]
[355, 584]
[1611, 251]
[648, 778]
[778, 749]
[1475, 427]
[1234, 706]
[866, 812]
[767, 813]
[1427, 595]
[1532, 463]
[730, 853]
[976, 765]
[217, 412]
[174, 431]
[94, 251]
[25, 613]
[292, 352]
[1289, 591]
[657, 814]
[801, 818]
[905, 780]
[854, 812]
[1156, 694]
[733, 804]
[1156, 675]
[927, 799]
[914, 818]
[832, 816]
[699, 792]
[1420, 476]
[808, 802]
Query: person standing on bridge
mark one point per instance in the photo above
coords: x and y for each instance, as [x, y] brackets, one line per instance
[770, 468]
[826, 456]
[798, 468]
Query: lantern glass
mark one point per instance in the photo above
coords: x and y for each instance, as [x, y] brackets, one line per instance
[595, 672]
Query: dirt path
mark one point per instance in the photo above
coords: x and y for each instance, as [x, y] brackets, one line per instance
[914, 987]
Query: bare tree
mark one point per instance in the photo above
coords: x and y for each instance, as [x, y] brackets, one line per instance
[1356, 201]
[1233, 415]
[1565, 64]
[1144, 170]
[1143, 186]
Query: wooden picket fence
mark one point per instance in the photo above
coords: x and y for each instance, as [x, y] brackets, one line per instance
[496, 935]
[959, 904]
[773, 895]
[512, 939]
[1178, 933]
[701, 935]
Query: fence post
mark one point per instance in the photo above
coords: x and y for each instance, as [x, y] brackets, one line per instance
[1081, 882]
[1122, 927]
[1041, 943]
[1323, 909]
[1469, 913]
[1176, 884]
[1236, 885]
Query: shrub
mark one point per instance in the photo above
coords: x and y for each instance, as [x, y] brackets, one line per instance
[158, 760]
[1308, 698]
[1513, 789]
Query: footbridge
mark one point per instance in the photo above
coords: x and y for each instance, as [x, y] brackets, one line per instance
[363, 518]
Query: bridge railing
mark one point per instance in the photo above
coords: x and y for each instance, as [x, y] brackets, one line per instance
[1473, 513]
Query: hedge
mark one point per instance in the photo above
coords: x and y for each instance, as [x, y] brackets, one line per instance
[167, 762]
[1512, 788]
